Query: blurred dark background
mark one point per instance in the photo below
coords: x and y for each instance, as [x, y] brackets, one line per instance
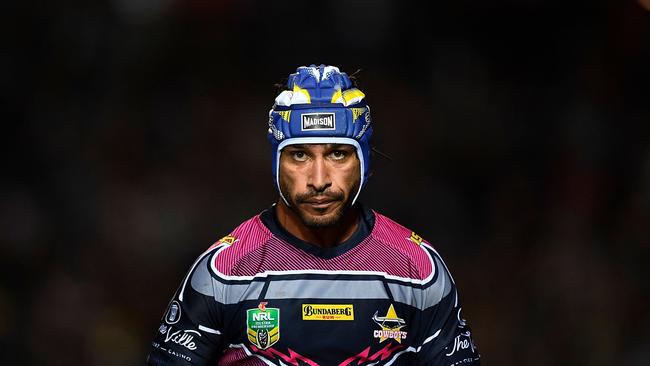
[135, 136]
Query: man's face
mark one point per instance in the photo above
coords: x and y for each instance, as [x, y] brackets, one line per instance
[319, 181]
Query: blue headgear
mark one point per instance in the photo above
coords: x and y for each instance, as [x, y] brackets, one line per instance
[320, 107]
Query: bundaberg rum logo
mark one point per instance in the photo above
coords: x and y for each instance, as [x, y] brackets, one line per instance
[327, 312]
[263, 326]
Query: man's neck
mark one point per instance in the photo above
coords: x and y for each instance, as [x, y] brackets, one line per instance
[325, 237]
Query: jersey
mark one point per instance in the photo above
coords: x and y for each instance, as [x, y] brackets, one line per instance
[261, 296]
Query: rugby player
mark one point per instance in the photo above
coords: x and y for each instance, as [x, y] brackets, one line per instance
[318, 278]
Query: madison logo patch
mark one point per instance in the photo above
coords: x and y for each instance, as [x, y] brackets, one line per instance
[327, 312]
[263, 326]
[318, 121]
[391, 326]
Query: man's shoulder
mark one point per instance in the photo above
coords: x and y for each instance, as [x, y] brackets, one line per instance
[393, 233]
[233, 248]
[220, 260]
[404, 246]
[250, 232]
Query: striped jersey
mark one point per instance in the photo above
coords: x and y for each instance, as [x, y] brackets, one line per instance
[261, 296]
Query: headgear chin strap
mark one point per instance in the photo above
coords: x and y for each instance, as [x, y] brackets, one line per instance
[320, 107]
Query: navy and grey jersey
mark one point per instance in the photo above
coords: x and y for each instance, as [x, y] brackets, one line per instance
[260, 296]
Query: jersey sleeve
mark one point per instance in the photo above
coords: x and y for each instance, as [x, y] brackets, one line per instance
[190, 332]
[446, 338]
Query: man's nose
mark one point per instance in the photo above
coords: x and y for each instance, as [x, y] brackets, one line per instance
[319, 178]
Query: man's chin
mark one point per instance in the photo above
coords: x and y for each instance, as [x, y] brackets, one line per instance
[321, 218]
[320, 221]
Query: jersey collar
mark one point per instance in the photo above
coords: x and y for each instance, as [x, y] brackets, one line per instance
[366, 223]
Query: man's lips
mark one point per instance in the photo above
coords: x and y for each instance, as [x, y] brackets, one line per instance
[319, 202]
[316, 201]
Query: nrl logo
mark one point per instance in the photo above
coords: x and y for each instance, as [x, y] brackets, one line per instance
[263, 326]
[318, 121]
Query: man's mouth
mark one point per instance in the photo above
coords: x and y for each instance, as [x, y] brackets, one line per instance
[319, 203]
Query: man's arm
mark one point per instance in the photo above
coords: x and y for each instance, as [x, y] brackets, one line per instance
[190, 331]
[446, 339]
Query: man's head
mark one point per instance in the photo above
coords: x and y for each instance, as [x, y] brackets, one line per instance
[321, 117]
[319, 181]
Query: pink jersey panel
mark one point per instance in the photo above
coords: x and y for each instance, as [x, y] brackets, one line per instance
[385, 250]
[237, 356]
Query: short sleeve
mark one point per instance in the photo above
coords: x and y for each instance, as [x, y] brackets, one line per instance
[190, 331]
[445, 337]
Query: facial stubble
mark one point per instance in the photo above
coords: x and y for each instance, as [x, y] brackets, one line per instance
[333, 219]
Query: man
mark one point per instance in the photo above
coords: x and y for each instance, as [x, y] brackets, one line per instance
[317, 279]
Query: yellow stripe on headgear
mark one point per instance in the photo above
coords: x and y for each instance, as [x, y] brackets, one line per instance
[337, 97]
[352, 96]
[301, 92]
[285, 115]
[356, 112]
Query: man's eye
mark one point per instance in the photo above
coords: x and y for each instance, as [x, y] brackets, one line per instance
[299, 155]
[338, 154]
